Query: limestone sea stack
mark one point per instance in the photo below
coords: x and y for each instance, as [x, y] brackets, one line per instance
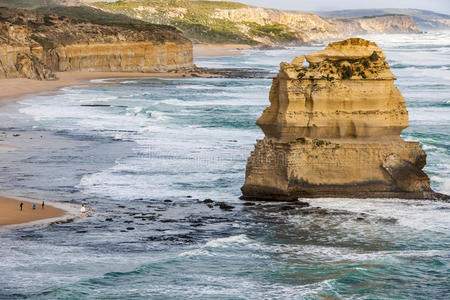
[333, 130]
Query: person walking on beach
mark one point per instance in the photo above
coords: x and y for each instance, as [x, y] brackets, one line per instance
[34, 206]
[43, 204]
[83, 209]
[21, 206]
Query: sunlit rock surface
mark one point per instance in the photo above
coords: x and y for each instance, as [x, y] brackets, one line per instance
[333, 130]
[36, 45]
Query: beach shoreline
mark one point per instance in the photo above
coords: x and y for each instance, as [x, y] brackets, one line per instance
[12, 89]
[12, 217]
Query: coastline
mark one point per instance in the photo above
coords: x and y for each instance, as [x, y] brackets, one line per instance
[11, 217]
[13, 88]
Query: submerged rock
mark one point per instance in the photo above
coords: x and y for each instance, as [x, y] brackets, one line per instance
[333, 130]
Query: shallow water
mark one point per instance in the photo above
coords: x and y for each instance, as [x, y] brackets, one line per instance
[144, 153]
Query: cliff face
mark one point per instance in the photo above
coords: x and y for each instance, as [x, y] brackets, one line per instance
[333, 130]
[35, 45]
[225, 22]
[425, 19]
[377, 24]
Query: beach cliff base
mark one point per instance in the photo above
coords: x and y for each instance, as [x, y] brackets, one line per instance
[333, 130]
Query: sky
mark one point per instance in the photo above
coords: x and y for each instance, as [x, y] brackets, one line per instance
[441, 6]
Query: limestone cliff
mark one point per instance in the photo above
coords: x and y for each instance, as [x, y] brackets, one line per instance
[375, 24]
[234, 22]
[35, 45]
[333, 130]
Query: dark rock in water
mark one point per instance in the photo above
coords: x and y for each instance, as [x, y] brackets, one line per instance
[130, 228]
[249, 203]
[388, 221]
[95, 105]
[167, 201]
[223, 205]
[210, 206]
[271, 47]
[208, 201]
[168, 221]
[359, 218]
[188, 196]
[120, 206]
[235, 72]
[108, 220]
[301, 204]
[286, 207]
[128, 222]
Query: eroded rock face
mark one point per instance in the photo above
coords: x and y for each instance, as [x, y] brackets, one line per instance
[35, 45]
[333, 130]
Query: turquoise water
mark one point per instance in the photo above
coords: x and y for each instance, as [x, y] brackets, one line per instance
[144, 154]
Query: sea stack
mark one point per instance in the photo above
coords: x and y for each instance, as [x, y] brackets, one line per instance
[333, 130]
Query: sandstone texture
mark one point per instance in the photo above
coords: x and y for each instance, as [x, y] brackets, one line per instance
[333, 130]
[36, 45]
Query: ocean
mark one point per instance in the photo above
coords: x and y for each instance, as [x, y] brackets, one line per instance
[144, 154]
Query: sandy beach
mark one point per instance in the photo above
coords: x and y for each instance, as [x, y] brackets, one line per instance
[211, 50]
[13, 88]
[10, 212]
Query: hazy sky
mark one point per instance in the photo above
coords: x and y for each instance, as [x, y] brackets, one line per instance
[442, 6]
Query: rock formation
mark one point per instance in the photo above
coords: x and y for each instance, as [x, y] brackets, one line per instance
[333, 130]
[35, 45]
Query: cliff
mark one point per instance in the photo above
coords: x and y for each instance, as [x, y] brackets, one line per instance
[425, 19]
[36, 45]
[333, 130]
[233, 22]
[375, 24]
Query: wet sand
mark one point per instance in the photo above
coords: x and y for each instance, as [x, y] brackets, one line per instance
[10, 212]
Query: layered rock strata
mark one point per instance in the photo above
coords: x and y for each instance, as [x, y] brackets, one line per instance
[234, 22]
[36, 45]
[333, 130]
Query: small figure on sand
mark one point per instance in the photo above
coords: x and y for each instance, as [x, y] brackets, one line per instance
[34, 206]
[21, 206]
[43, 204]
[83, 209]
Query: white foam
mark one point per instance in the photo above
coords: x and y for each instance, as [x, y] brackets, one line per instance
[416, 214]
[228, 241]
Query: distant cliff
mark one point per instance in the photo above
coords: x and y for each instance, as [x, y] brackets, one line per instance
[36, 45]
[425, 19]
[233, 22]
[375, 24]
